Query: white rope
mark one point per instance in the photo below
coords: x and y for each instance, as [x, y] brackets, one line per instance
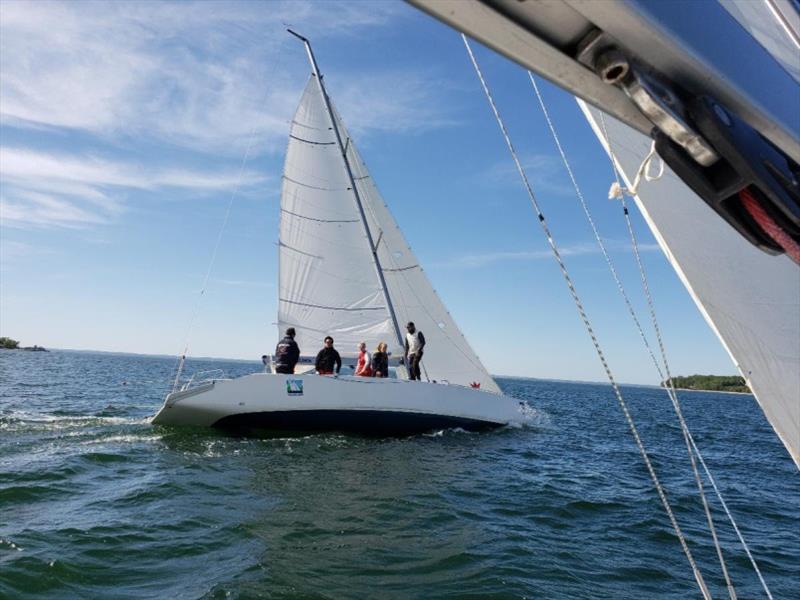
[671, 389]
[620, 287]
[662, 495]
[617, 191]
[234, 193]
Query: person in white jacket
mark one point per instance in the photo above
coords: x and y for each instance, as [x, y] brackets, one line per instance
[415, 342]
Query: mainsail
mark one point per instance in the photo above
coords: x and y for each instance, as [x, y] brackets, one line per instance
[328, 279]
[749, 298]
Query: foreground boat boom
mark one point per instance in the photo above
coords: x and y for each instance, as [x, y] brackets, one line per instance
[725, 121]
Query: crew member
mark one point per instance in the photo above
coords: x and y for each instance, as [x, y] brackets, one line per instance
[380, 361]
[415, 342]
[287, 353]
[363, 366]
[328, 358]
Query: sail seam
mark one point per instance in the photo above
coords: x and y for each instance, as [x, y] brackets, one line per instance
[294, 214]
[288, 247]
[299, 139]
[316, 187]
[341, 308]
[296, 122]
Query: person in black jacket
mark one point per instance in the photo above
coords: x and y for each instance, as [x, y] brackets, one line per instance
[380, 361]
[327, 358]
[287, 353]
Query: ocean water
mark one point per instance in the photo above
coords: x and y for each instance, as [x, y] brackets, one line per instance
[97, 503]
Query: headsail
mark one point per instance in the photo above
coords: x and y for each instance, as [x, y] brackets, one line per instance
[328, 283]
[749, 298]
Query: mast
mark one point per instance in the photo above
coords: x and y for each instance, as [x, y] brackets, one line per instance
[373, 248]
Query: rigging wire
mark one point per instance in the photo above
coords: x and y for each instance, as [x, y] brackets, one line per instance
[578, 303]
[234, 193]
[671, 390]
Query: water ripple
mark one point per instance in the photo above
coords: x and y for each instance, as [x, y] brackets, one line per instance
[96, 502]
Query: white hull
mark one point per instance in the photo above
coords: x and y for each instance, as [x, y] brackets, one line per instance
[324, 403]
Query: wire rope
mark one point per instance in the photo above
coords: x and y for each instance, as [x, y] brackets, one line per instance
[579, 305]
[673, 397]
[670, 384]
[234, 193]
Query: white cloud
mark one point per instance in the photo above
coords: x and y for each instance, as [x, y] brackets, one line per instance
[545, 172]
[54, 190]
[216, 78]
[411, 106]
[204, 75]
[33, 207]
[475, 261]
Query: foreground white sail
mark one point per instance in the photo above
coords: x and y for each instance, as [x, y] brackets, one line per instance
[750, 299]
[346, 271]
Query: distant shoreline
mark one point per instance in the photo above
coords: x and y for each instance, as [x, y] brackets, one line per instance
[712, 391]
[640, 385]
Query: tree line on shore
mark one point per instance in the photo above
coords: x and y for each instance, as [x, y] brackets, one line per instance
[716, 383]
[7, 343]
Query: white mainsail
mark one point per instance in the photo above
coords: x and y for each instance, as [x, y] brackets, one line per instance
[327, 277]
[328, 281]
[749, 298]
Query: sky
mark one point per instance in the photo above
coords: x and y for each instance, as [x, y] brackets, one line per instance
[128, 128]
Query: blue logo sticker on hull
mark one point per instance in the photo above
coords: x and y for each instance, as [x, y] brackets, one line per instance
[294, 387]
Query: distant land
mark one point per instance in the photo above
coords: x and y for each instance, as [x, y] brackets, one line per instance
[6, 343]
[713, 383]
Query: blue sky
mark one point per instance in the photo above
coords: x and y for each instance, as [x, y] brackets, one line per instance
[125, 126]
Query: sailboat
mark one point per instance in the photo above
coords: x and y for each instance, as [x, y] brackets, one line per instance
[346, 271]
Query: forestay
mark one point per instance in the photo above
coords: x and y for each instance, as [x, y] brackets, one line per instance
[328, 281]
[749, 298]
